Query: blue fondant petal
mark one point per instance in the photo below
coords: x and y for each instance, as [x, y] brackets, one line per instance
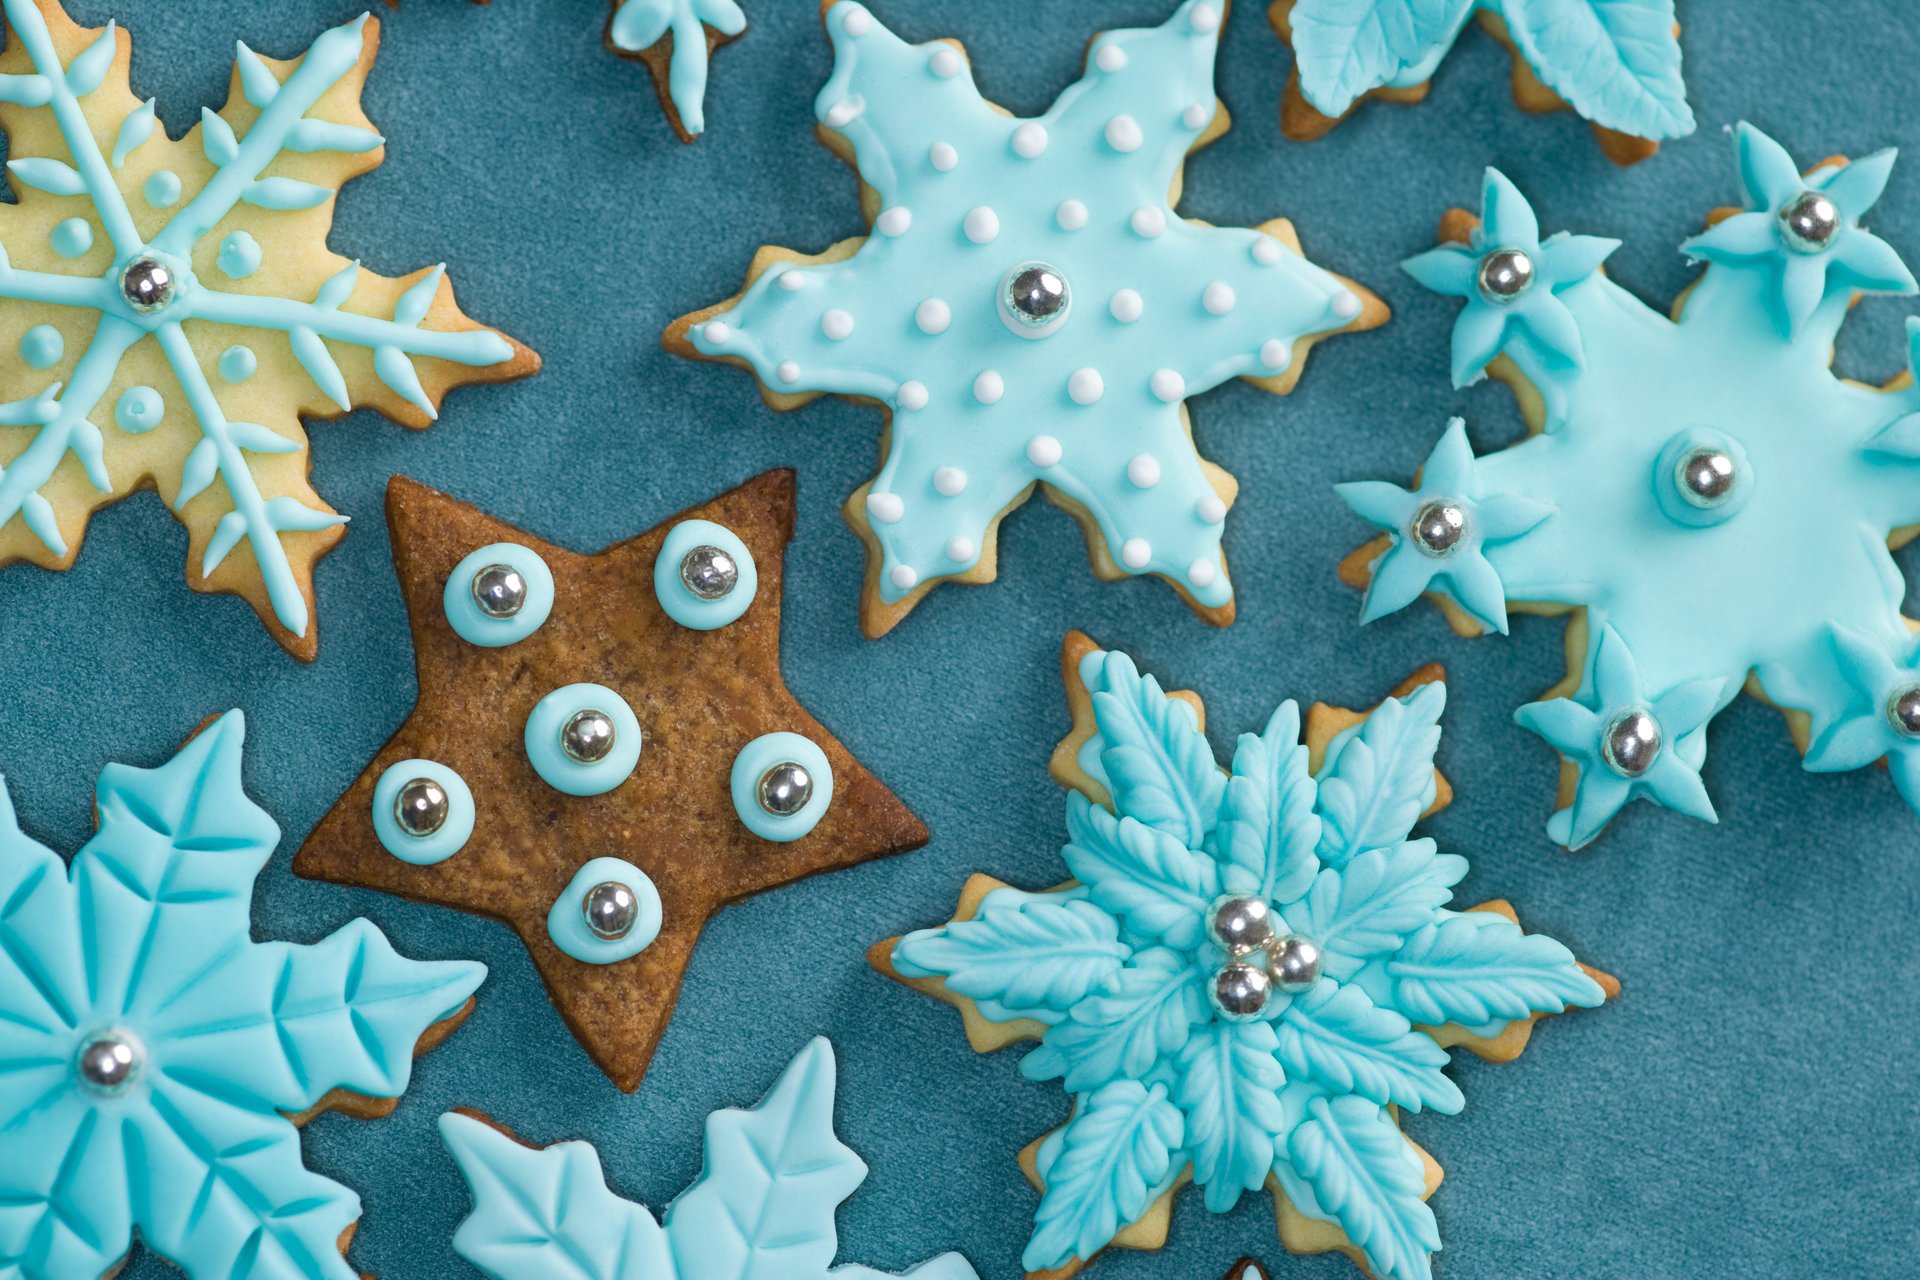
[1867, 262]
[1568, 259]
[1571, 729]
[1616, 676]
[1378, 502]
[1553, 329]
[1114, 1155]
[1268, 830]
[1345, 49]
[1863, 661]
[1400, 577]
[1138, 1018]
[1899, 438]
[1736, 239]
[1856, 187]
[1507, 220]
[1023, 953]
[1803, 287]
[1502, 517]
[1379, 781]
[1334, 1037]
[1477, 589]
[1478, 967]
[1849, 742]
[1689, 706]
[1364, 909]
[1766, 170]
[1156, 886]
[1449, 470]
[1449, 269]
[1228, 1088]
[1158, 764]
[1676, 785]
[1478, 335]
[1600, 794]
[1366, 1174]
[1904, 765]
[1616, 64]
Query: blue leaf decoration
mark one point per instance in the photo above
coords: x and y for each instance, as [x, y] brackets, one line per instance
[1338, 1039]
[1158, 764]
[1268, 830]
[1142, 1014]
[1229, 1090]
[1364, 1172]
[1616, 61]
[1023, 952]
[1114, 1157]
[1158, 887]
[1367, 907]
[1346, 48]
[1378, 780]
[1479, 968]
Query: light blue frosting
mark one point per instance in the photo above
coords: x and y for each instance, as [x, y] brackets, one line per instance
[476, 627]
[162, 189]
[1117, 968]
[560, 770]
[762, 1208]
[72, 237]
[567, 922]
[641, 24]
[1161, 307]
[1693, 599]
[239, 256]
[686, 608]
[423, 851]
[42, 346]
[762, 754]
[238, 363]
[139, 409]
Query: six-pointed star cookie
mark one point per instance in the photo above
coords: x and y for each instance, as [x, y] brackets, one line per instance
[699, 697]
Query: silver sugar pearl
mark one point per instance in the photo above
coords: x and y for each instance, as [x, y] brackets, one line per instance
[1294, 964]
[1241, 991]
[1631, 743]
[1240, 926]
[708, 572]
[1903, 711]
[1438, 527]
[610, 909]
[587, 736]
[109, 1063]
[499, 590]
[1808, 222]
[1505, 274]
[421, 808]
[146, 284]
[785, 789]
[1036, 295]
[1705, 477]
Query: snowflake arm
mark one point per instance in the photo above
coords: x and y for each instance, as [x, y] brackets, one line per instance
[638, 25]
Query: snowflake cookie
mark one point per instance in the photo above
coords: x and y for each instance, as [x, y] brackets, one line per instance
[1615, 62]
[604, 753]
[1711, 504]
[762, 1207]
[175, 310]
[1252, 974]
[1030, 309]
[155, 1060]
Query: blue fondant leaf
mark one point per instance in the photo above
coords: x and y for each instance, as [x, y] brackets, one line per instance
[226, 536]
[1364, 909]
[1157, 762]
[323, 135]
[86, 72]
[1375, 784]
[257, 81]
[134, 130]
[285, 194]
[1140, 1015]
[311, 351]
[1157, 886]
[1268, 830]
[1115, 1154]
[1338, 1039]
[1367, 1176]
[217, 140]
[26, 91]
[1022, 952]
[1478, 968]
[1616, 61]
[1229, 1090]
[1345, 48]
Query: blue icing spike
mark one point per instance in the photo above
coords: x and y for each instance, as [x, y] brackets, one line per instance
[781, 785]
[704, 576]
[239, 256]
[1030, 308]
[42, 346]
[583, 739]
[640, 24]
[609, 913]
[422, 812]
[72, 237]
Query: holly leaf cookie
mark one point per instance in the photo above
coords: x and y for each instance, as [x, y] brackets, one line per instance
[1615, 62]
[762, 1206]
[1711, 504]
[1252, 975]
[176, 311]
[1029, 309]
[603, 753]
[155, 1060]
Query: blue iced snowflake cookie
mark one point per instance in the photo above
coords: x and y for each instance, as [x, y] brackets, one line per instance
[1249, 973]
[1029, 309]
[1615, 62]
[762, 1207]
[1706, 497]
[154, 1059]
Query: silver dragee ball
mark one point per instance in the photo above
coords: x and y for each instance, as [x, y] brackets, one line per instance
[499, 590]
[1037, 294]
[1438, 527]
[421, 807]
[587, 736]
[1631, 743]
[1505, 274]
[1706, 477]
[109, 1063]
[1903, 711]
[1240, 991]
[709, 572]
[147, 284]
[785, 789]
[1809, 222]
[1240, 926]
[1294, 964]
[611, 910]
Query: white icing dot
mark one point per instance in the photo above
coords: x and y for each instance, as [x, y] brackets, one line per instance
[960, 550]
[1148, 222]
[1043, 451]
[1126, 306]
[836, 324]
[1110, 58]
[1029, 140]
[1086, 386]
[789, 371]
[894, 221]
[944, 157]
[1266, 250]
[913, 395]
[1143, 472]
[1135, 552]
[933, 316]
[1195, 116]
[1275, 354]
[887, 508]
[1346, 304]
[1071, 215]
[904, 577]
[982, 224]
[843, 113]
[1123, 134]
[1211, 509]
[1205, 19]
[989, 387]
[857, 22]
[1218, 298]
[792, 281]
[716, 331]
[949, 482]
[1201, 573]
[1168, 385]
[945, 62]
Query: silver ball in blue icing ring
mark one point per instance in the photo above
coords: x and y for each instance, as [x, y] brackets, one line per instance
[422, 811]
[1702, 477]
[768, 793]
[688, 577]
[147, 284]
[498, 595]
[109, 1063]
[1035, 299]
[1504, 275]
[1903, 710]
[1809, 222]
[583, 739]
[609, 912]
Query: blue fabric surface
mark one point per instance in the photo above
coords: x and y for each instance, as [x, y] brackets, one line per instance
[1748, 1107]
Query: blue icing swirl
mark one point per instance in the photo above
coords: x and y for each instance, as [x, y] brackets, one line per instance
[162, 189]
[679, 600]
[762, 754]
[474, 626]
[139, 409]
[238, 363]
[239, 256]
[567, 921]
[42, 346]
[72, 238]
[561, 771]
[423, 851]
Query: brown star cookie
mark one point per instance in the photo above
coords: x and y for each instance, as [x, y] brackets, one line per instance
[699, 696]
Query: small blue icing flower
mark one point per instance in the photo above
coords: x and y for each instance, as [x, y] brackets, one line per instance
[151, 1052]
[1884, 722]
[1235, 984]
[641, 24]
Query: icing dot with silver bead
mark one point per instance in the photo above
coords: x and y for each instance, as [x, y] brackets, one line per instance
[109, 1063]
[610, 911]
[1706, 477]
[781, 785]
[785, 789]
[499, 590]
[1631, 742]
[423, 812]
[588, 736]
[1035, 300]
[147, 284]
[583, 739]
[704, 576]
[498, 595]
[708, 572]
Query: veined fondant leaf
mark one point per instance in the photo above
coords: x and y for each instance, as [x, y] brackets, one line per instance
[1334, 1037]
[1156, 885]
[1616, 61]
[1140, 1015]
[1364, 1173]
[1268, 828]
[1478, 968]
[1362, 910]
[1158, 764]
[1345, 48]
[1114, 1155]
[1375, 784]
[1023, 952]
[1229, 1090]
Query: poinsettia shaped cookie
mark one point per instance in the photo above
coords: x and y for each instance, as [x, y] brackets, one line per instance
[1616, 62]
[1252, 975]
[1029, 309]
[1711, 504]
[175, 310]
[155, 1060]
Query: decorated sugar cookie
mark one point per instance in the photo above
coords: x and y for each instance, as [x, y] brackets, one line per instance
[1615, 62]
[155, 1060]
[1253, 974]
[1710, 503]
[604, 753]
[675, 38]
[762, 1207]
[1029, 309]
[170, 310]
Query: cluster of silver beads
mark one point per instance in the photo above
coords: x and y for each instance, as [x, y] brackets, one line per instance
[1260, 960]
